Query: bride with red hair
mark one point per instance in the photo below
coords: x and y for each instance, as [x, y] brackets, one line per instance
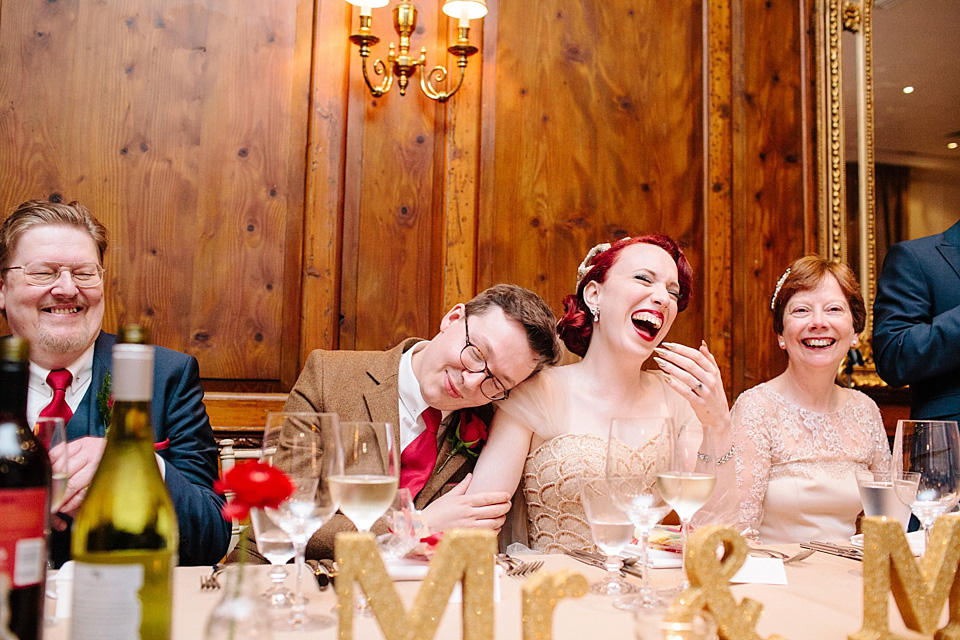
[553, 428]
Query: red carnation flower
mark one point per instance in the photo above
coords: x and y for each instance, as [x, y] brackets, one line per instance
[254, 485]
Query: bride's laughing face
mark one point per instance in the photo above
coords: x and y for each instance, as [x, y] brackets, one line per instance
[637, 301]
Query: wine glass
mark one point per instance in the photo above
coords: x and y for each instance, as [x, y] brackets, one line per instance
[371, 471]
[52, 434]
[631, 477]
[277, 547]
[932, 449]
[686, 476]
[889, 494]
[306, 446]
[611, 530]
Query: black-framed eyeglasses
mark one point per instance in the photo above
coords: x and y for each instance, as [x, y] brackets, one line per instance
[473, 361]
[44, 274]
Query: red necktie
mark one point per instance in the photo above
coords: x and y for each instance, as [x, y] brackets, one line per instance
[59, 379]
[419, 458]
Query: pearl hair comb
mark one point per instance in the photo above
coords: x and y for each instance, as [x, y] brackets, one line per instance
[585, 266]
[773, 300]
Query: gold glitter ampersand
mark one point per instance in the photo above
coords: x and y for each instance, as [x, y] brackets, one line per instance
[919, 591]
[709, 585]
[462, 556]
[541, 593]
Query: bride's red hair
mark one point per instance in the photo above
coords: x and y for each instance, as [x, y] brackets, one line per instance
[576, 325]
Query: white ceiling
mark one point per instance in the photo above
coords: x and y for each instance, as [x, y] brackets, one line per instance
[915, 43]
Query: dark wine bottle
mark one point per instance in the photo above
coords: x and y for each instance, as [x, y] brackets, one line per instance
[25, 477]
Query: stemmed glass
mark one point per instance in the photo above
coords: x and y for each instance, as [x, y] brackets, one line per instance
[366, 487]
[611, 530]
[631, 475]
[53, 435]
[932, 449]
[307, 448]
[686, 476]
[277, 547]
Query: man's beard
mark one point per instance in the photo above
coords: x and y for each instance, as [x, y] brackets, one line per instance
[77, 341]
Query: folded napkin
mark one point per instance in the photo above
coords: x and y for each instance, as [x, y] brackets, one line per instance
[915, 539]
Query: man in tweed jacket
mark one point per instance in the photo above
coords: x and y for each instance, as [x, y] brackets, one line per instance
[513, 329]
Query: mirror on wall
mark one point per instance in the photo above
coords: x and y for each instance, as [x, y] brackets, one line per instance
[889, 87]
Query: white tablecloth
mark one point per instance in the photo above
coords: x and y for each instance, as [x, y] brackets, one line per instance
[823, 601]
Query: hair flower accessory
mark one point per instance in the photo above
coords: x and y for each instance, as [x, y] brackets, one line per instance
[773, 300]
[468, 437]
[585, 266]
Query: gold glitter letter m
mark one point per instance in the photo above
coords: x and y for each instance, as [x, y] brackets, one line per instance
[919, 591]
[462, 556]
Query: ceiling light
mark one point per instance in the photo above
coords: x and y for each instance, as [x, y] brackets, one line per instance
[951, 145]
[908, 89]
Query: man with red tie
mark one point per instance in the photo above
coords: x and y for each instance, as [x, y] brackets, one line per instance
[433, 390]
[51, 293]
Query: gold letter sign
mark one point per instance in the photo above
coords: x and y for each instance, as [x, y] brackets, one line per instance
[888, 565]
[709, 585]
[462, 555]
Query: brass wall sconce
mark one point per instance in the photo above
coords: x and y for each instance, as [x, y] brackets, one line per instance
[400, 65]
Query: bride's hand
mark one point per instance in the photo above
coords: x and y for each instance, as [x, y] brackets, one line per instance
[694, 374]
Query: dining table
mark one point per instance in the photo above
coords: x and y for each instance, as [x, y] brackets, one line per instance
[822, 600]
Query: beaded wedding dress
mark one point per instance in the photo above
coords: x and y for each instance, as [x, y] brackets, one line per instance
[795, 467]
[569, 444]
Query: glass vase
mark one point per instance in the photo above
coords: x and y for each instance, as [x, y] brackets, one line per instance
[241, 614]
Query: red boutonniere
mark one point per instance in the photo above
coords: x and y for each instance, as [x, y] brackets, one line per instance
[468, 437]
[254, 485]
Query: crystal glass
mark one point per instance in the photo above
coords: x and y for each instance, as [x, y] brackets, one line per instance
[238, 615]
[305, 446]
[884, 493]
[277, 547]
[611, 530]
[52, 433]
[631, 477]
[371, 471]
[930, 448]
[686, 476]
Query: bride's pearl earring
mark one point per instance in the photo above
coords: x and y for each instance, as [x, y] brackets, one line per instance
[853, 345]
[596, 314]
[783, 345]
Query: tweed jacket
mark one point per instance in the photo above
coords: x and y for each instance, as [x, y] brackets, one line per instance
[363, 385]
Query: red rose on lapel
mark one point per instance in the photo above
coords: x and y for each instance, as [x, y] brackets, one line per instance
[472, 432]
[468, 437]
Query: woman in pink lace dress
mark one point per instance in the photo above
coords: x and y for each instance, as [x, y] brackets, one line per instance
[553, 428]
[800, 437]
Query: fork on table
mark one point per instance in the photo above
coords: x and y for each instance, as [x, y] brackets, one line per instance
[211, 582]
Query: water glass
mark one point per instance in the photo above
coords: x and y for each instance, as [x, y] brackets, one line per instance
[881, 495]
[612, 531]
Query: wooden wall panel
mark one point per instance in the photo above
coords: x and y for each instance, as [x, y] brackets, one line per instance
[772, 155]
[599, 134]
[182, 127]
[262, 203]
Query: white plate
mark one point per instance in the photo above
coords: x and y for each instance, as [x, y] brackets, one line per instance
[659, 559]
[915, 539]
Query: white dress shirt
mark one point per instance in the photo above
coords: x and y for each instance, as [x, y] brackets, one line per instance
[412, 403]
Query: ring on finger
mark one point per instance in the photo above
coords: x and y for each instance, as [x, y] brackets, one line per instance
[698, 388]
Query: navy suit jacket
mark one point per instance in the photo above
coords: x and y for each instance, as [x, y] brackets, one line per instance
[190, 456]
[916, 316]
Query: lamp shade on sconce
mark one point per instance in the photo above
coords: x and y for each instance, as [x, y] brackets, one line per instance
[465, 9]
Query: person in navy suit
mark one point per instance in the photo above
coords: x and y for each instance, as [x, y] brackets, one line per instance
[916, 316]
[51, 293]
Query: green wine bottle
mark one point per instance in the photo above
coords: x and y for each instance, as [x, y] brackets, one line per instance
[125, 535]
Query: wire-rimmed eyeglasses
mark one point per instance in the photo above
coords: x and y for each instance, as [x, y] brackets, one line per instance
[473, 361]
[44, 274]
